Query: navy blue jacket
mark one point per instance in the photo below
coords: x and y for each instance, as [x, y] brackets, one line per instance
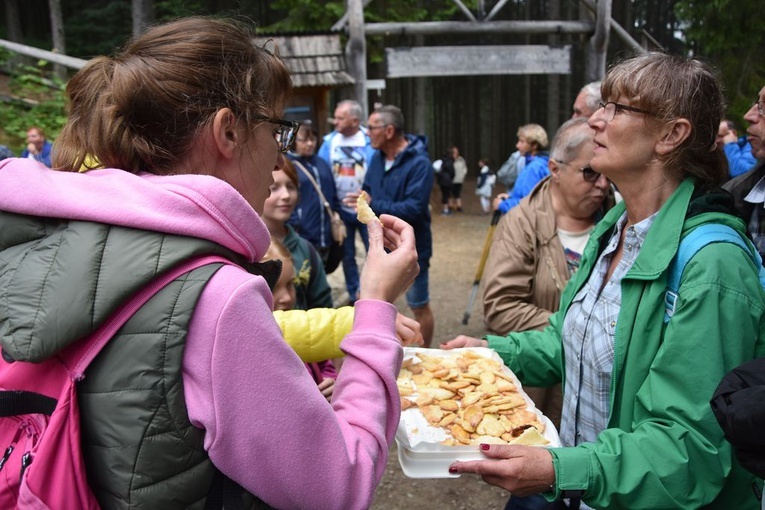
[310, 218]
[404, 190]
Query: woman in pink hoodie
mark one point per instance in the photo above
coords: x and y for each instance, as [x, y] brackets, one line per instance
[185, 123]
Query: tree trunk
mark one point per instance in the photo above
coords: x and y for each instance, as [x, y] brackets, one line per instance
[57, 35]
[143, 15]
[356, 53]
[553, 80]
[13, 25]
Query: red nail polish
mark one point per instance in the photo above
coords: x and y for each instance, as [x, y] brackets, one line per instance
[484, 446]
[453, 470]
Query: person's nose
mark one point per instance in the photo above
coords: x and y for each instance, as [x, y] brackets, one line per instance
[752, 116]
[597, 119]
[601, 182]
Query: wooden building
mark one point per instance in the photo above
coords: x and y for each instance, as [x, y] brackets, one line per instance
[317, 63]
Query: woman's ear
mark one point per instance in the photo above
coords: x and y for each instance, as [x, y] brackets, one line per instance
[673, 135]
[224, 132]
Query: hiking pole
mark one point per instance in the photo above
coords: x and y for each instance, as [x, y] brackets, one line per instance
[481, 265]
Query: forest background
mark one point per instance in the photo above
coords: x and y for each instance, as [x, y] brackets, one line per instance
[478, 113]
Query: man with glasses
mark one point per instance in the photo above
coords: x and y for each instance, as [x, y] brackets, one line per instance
[347, 150]
[748, 190]
[537, 245]
[399, 182]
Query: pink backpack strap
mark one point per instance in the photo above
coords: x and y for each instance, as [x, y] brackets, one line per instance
[78, 357]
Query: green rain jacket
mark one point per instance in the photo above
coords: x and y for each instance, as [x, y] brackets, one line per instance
[663, 447]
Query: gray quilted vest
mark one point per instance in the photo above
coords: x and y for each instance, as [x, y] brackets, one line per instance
[58, 281]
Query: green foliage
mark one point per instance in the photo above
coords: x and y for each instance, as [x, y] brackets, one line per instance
[45, 106]
[310, 15]
[170, 9]
[96, 27]
[306, 15]
[317, 15]
[731, 34]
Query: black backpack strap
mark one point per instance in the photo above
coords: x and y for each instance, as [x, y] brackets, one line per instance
[13, 403]
[224, 494]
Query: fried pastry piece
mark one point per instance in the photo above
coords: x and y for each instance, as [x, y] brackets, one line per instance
[407, 404]
[530, 436]
[364, 213]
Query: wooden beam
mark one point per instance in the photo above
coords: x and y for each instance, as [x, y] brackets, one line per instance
[477, 60]
[55, 58]
[479, 27]
[620, 31]
[464, 10]
[494, 10]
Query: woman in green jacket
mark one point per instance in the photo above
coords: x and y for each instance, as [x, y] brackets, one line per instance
[637, 430]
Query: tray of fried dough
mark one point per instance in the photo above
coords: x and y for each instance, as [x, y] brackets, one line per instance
[454, 400]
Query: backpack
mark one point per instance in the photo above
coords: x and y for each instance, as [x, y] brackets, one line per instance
[690, 245]
[42, 465]
[508, 172]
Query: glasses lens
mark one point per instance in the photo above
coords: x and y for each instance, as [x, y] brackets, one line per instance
[760, 108]
[610, 111]
[589, 174]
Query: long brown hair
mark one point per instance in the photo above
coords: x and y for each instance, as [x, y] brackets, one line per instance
[141, 109]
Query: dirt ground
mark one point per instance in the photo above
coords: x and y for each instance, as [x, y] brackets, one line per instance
[458, 241]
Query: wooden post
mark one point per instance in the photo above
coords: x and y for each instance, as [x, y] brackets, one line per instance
[616, 27]
[595, 65]
[356, 53]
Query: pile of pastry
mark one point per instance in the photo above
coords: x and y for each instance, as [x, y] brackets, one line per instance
[474, 398]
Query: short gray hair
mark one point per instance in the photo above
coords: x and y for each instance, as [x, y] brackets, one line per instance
[391, 116]
[354, 108]
[592, 95]
[569, 139]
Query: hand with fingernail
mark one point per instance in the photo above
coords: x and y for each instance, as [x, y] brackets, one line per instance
[522, 470]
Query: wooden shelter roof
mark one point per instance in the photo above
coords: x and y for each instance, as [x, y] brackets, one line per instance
[314, 59]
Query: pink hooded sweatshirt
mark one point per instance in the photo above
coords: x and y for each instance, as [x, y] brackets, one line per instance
[237, 368]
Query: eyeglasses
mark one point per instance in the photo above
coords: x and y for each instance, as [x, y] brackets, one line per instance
[286, 132]
[379, 126]
[588, 174]
[760, 108]
[611, 108]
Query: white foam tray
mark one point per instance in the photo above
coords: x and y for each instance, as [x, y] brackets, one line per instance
[420, 451]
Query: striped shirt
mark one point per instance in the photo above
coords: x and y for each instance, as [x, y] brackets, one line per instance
[589, 329]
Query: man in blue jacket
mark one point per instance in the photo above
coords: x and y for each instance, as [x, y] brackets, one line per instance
[399, 181]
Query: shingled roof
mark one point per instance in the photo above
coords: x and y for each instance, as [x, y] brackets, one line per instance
[315, 60]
